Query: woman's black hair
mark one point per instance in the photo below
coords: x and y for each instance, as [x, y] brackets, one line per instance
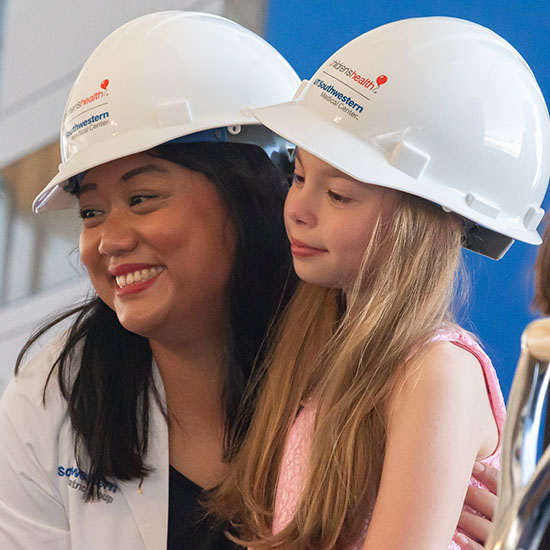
[104, 371]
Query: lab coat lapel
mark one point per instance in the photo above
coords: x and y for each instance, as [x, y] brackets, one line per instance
[149, 503]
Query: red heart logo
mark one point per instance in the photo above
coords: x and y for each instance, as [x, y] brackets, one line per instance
[105, 83]
[381, 79]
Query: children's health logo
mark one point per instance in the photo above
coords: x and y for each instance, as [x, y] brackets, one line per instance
[100, 93]
[365, 82]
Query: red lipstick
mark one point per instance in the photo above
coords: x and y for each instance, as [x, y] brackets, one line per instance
[134, 278]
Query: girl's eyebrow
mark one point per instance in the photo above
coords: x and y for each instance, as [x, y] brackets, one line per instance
[330, 170]
[146, 168]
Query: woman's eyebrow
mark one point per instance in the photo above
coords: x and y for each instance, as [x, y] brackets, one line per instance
[146, 168]
[86, 187]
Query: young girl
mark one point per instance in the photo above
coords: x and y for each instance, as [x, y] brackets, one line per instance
[414, 139]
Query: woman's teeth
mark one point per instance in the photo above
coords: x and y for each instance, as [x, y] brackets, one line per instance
[138, 276]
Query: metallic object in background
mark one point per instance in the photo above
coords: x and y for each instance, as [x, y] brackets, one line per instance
[523, 511]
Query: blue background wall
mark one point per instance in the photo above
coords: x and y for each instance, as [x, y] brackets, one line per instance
[307, 32]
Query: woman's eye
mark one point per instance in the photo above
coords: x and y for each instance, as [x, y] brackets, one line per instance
[88, 213]
[340, 199]
[140, 199]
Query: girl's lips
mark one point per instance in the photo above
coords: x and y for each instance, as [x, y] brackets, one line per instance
[302, 250]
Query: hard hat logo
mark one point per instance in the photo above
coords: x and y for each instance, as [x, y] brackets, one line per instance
[364, 81]
[87, 125]
[382, 79]
[98, 94]
[338, 99]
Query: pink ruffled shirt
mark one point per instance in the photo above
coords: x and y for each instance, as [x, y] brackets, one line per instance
[295, 458]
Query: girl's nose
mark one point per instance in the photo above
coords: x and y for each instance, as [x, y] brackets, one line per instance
[300, 206]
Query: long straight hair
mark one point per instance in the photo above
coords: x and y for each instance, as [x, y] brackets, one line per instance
[104, 371]
[349, 361]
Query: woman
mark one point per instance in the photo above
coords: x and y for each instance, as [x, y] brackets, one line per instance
[112, 431]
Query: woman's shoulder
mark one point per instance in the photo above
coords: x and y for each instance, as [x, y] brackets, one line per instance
[35, 386]
[34, 418]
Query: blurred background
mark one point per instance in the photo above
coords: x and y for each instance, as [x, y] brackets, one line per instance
[44, 44]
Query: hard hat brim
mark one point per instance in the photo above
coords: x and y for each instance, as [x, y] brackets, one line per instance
[370, 164]
[54, 196]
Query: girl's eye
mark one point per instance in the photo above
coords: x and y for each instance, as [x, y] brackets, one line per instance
[340, 199]
[297, 179]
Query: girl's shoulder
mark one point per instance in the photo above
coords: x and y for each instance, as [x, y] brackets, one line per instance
[461, 346]
[464, 350]
[457, 335]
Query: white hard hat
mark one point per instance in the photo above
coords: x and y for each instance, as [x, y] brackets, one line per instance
[163, 76]
[437, 107]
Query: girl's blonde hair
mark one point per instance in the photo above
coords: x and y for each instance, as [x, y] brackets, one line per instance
[349, 358]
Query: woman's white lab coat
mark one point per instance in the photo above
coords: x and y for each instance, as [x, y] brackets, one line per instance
[41, 505]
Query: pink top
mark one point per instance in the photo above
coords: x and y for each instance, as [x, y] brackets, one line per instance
[295, 458]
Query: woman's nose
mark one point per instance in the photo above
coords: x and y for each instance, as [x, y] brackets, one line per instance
[300, 205]
[118, 235]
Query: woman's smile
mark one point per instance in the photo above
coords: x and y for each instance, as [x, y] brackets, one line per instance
[133, 278]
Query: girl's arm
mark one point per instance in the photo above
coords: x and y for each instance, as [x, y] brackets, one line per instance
[439, 423]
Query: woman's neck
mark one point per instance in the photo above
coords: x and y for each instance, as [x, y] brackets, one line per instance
[194, 376]
[193, 373]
